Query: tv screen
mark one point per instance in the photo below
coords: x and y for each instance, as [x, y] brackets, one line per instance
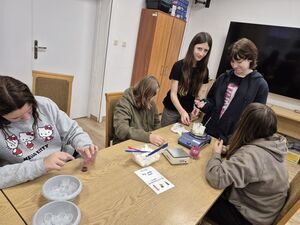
[278, 55]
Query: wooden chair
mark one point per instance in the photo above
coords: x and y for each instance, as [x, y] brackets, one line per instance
[292, 204]
[57, 87]
[289, 209]
[111, 101]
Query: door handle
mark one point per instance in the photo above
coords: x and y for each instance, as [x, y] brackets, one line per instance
[37, 48]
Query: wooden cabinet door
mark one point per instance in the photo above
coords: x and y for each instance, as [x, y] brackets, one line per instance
[174, 46]
[144, 45]
[160, 45]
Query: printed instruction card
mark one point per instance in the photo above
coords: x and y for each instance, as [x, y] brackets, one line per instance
[154, 179]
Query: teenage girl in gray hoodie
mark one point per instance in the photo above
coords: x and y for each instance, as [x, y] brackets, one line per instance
[33, 132]
[254, 171]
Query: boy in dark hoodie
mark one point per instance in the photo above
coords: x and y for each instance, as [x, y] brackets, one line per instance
[233, 91]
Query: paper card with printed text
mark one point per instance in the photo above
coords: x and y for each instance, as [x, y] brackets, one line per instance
[157, 182]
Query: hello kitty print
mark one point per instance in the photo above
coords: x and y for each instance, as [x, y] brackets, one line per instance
[13, 145]
[46, 132]
[27, 139]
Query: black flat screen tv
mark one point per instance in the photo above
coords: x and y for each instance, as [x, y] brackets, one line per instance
[278, 55]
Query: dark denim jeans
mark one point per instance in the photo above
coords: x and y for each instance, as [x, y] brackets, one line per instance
[224, 213]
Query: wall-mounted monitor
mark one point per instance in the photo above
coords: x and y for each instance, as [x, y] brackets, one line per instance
[278, 58]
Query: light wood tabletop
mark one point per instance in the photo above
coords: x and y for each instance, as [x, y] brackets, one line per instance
[8, 215]
[113, 194]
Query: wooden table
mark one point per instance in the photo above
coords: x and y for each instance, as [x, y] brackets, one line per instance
[113, 194]
[8, 215]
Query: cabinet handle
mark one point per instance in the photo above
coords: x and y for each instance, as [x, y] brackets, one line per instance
[165, 71]
[162, 70]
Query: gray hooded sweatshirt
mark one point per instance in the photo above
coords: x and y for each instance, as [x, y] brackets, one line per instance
[258, 178]
[23, 149]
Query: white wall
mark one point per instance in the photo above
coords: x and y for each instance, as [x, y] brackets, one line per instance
[217, 17]
[99, 59]
[123, 33]
[15, 39]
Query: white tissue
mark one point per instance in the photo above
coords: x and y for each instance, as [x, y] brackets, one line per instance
[198, 129]
[178, 128]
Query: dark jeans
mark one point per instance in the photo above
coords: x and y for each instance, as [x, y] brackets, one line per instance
[223, 212]
[169, 117]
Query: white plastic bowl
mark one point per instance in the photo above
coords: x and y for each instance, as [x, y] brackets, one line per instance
[65, 211]
[62, 188]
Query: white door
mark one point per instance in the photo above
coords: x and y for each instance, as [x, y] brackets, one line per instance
[65, 27]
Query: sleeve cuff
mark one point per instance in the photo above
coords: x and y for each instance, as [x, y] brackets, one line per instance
[216, 156]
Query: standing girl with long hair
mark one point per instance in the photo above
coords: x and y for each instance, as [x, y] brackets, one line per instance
[186, 77]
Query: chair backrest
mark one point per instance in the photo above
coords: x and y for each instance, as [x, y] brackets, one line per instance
[57, 87]
[292, 204]
[111, 101]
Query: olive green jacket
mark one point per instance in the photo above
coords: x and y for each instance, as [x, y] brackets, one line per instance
[131, 122]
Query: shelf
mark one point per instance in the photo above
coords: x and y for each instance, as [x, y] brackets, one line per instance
[288, 121]
[287, 113]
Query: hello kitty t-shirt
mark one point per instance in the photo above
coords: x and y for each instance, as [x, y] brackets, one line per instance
[23, 148]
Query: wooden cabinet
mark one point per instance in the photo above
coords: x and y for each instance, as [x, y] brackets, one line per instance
[158, 45]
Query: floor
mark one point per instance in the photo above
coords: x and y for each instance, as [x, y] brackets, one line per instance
[97, 133]
[94, 129]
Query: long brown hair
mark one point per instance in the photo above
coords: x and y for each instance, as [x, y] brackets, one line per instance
[144, 90]
[14, 95]
[243, 49]
[201, 66]
[256, 121]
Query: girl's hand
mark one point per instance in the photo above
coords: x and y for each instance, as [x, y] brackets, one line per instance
[185, 118]
[199, 103]
[218, 146]
[224, 149]
[156, 139]
[195, 113]
[57, 160]
[88, 154]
